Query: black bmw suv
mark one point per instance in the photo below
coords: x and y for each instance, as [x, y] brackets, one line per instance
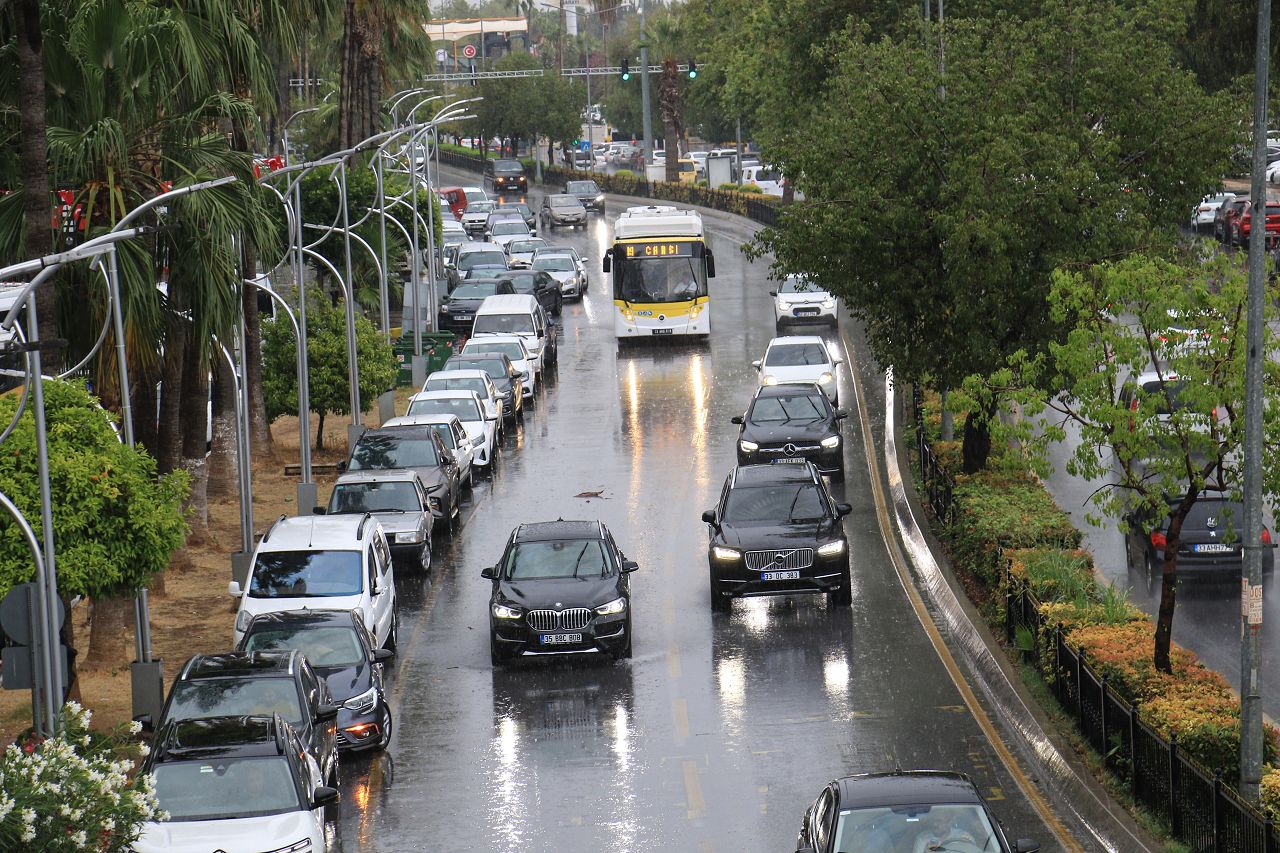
[792, 424]
[775, 531]
[560, 587]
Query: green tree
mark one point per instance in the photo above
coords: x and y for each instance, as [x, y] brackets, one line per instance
[943, 226]
[327, 359]
[116, 523]
[1178, 438]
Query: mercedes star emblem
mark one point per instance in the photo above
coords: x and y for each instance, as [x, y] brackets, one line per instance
[789, 449]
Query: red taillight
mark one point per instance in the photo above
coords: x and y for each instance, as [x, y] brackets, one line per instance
[1158, 540]
[1266, 536]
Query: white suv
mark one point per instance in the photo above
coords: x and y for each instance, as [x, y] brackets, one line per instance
[799, 300]
[800, 359]
[334, 562]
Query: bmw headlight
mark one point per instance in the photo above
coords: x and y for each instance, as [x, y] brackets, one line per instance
[242, 621]
[770, 379]
[826, 379]
[502, 611]
[409, 537]
[748, 446]
[831, 549]
[362, 703]
[720, 552]
[831, 441]
[612, 608]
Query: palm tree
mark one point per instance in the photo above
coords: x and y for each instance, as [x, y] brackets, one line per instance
[664, 39]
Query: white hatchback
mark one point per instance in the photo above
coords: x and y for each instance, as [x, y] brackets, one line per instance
[467, 405]
[800, 359]
[470, 380]
[798, 300]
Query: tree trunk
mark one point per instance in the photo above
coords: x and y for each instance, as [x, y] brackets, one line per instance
[37, 208]
[224, 475]
[320, 431]
[1169, 584]
[108, 631]
[144, 401]
[669, 107]
[360, 76]
[169, 440]
[195, 423]
[68, 637]
[976, 446]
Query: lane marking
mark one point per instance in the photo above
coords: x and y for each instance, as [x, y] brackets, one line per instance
[673, 663]
[693, 791]
[680, 714]
[1024, 783]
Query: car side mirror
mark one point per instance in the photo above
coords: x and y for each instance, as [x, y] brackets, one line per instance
[711, 264]
[326, 712]
[837, 360]
[145, 721]
[607, 262]
[841, 414]
[487, 573]
[318, 510]
[630, 565]
[324, 796]
[843, 509]
[709, 516]
[382, 655]
[756, 364]
[1026, 845]
[736, 419]
[534, 232]
[773, 293]
[234, 590]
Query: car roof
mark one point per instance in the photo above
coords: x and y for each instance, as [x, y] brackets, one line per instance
[798, 339]
[789, 389]
[478, 355]
[224, 737]
[281, 618]
[459, 373]
[507, 303]
[468, 248]
[451, 394]
[378, 475]
[472, 190]
[542, 531]
[230, 664]
[495, 339]
[906, 787]
[307, 532]
[770, 475]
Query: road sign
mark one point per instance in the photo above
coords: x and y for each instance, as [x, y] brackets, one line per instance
[15, 614]
[469, 51]
[441, 56]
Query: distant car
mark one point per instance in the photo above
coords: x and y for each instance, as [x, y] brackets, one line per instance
[421, 451]
[776, 530]
[587, 192]
[1243, 225]
[526, 212]
[455, 198]
[792, 424]
[401, 504]
[505, 231]
[560, 587]
[799, 300]
[476, 216]
[800, 358]
[562, 209]
[1202, 215]
[458, 307]
[244, 780]
[906, 810]
[471, 256]
[506, 378]
[566, 271]
[341, 651]
[1225, 217]
[475, 194]
[541, 285]
[505, 177]
[520, 252]
[1209, 545]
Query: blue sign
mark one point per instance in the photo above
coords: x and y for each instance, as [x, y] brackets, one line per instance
[584, 146]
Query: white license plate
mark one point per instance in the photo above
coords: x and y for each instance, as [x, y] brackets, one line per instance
[664, 331]
[561, 639]
[779, 576]
[793, 460]
[806, 312]
[1212, 548]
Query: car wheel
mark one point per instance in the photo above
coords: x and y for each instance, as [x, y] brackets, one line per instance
[843, 597]
[393, 636]
[386, 730]
[1149, 564]
[624, 653]
[424, 559]
[719, 603]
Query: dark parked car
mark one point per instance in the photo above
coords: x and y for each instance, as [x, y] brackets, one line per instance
[541, 285]
[775, 531]
[1224, 219]
[1209, 545]
[343, 653]
[562, 209]
[560, 587]
[587, 192]
[792, 424]
[505, 177]
[419, 449]
[904, 810]
[458, 308]
[238, 684]
[508, 380]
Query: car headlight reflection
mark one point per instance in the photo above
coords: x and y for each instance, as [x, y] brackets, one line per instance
[748, 446]
[722, 553]
[502, 611]
[828, 303]
[409, 537]
[612, 608]
[364, 702]
[831, 549]
[831, 441]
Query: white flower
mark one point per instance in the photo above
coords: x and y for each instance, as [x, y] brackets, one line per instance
[28, 817]
[28, 833]
[143, 750]
[109, 824]
[135, 727]
[80, 838]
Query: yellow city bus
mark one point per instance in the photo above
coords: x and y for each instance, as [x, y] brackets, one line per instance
[660, 265]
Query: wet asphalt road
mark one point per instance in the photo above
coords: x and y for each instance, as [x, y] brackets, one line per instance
[720, 731]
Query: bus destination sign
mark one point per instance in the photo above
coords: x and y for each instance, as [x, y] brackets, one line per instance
[683, 249]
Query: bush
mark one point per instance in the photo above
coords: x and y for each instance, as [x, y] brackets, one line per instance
[1271, 793]
[1004, 515]
[751, 188]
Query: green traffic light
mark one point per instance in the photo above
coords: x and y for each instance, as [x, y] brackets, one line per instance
[693, 70]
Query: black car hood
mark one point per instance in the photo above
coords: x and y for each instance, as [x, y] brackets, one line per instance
[470, 303]
[802, 534]
[800, 432]
[559, 593]
[346, 681]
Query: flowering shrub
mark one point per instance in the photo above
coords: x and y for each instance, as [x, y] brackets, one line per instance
[1271, 792]
[74, 791]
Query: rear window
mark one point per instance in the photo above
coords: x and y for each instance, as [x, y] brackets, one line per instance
[388, 450]
[504, 324]
[488, 258]
[553, 263]
[458, 384]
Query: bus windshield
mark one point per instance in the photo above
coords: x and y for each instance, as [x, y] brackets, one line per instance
[679, 278]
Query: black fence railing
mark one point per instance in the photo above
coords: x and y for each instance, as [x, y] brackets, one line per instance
[1200, 809]
[938, 484]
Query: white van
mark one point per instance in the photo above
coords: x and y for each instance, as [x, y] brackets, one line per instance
[518, 314]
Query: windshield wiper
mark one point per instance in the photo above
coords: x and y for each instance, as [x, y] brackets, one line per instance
[792, 508]
[581, 554]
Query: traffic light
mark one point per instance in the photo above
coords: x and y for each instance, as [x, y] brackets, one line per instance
[473, 74]
[693, 70]
[626, 70]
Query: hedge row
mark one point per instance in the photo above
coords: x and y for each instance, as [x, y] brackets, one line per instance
[1005, 511]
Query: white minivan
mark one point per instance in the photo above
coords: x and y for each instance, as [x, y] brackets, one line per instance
[518, 314]
[330, 562]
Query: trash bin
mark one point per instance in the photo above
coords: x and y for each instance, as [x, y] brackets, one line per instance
[437, 347]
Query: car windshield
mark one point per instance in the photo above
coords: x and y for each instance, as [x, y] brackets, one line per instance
[796, 355]
[508, 166]
[488, 257]
[561, 558]
[939, 827]
[523, 283]
[476, 207]
[504, 324]
[457, 383]
[798, 408]
[553, 263]
[324, 645]
[475, 289]
[526, 246]
[259, 696]
[389, 450]
[509, 226]
[563, 201]
[374, 497]
[475, 197]
[584, 187]
[464, 407]
[799, 284]
[776, 504]
[513, 350]
[226, 788]
[306, 574]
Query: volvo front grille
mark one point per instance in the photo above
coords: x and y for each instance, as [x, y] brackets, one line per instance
[798, 558]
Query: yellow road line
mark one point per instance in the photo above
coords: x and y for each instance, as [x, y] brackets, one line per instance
[693, 790]
[673, 663]
[680, 714]
[1028, 788]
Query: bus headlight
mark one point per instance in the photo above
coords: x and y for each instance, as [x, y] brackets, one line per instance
[694, 312]
[826, 379]
[748, 446]
[627, 315]
[831, 441]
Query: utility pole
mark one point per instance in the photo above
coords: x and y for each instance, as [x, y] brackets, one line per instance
[1251, 734]
[644, 92]
[560, 43]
